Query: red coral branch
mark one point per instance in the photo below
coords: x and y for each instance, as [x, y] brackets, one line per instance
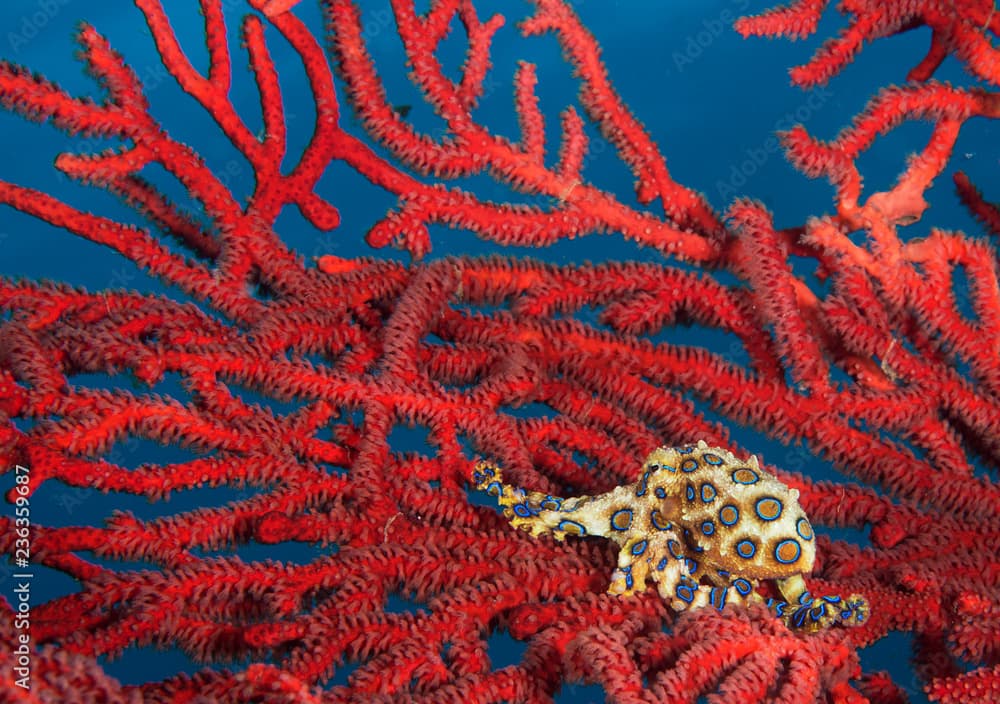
[960, 30]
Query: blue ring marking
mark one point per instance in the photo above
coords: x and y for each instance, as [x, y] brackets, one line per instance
[524, 510]
[746, 549]
[662, 564]
[686, 450]
[685, 593]
[482, 472]
[574, 527]
[642, 484]
[785, 545]
[742, 586]
[748, 476]
[627, 571]
[708, 528]
[729, 510]
[672, 548]
[708, 493]
[639, 548]
[777, 607]
[712, 459]
[691, 565]
[669, 468]
[658, 521]
[621, 520]
[551, 503]
[494, 488]
[831, 599]
[854, 610]
[717, 597]
[689, 465]
[804, 529]
[722, 573]
[768, 500]
[690, 493]
[572, 504]
[660, 492]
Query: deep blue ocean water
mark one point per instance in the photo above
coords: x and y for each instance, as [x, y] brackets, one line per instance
[710, 99]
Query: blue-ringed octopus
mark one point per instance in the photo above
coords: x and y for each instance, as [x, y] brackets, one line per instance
[700, 524]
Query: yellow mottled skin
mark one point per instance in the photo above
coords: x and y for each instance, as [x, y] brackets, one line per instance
[700, 524]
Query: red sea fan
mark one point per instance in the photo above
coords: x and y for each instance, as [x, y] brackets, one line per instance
[877, 369]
